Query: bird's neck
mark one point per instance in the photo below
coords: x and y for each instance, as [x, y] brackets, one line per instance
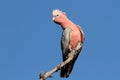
[68, 24]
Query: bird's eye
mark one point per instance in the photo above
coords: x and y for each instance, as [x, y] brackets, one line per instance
[57, 15]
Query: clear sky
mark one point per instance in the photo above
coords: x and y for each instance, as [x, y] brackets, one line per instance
[30, 40]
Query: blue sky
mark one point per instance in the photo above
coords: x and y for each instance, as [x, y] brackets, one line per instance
[30, 40]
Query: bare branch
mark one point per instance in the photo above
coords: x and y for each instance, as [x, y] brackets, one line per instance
[72, 54]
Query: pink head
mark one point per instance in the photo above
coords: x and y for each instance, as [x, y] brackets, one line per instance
[59, 16]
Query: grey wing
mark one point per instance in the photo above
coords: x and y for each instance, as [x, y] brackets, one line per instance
[65, 43]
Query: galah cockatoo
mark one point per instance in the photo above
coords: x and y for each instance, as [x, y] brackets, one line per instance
[71, 36]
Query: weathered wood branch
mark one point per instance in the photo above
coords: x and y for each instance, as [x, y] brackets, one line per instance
[71, 56]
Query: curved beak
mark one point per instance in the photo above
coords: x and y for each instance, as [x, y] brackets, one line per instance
[53, 18]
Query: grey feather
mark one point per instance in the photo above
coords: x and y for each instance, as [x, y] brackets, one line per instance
[65, 42]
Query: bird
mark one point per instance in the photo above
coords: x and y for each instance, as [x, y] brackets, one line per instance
[72, 35]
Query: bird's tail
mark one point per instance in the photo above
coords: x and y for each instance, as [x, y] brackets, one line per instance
[67, 69]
